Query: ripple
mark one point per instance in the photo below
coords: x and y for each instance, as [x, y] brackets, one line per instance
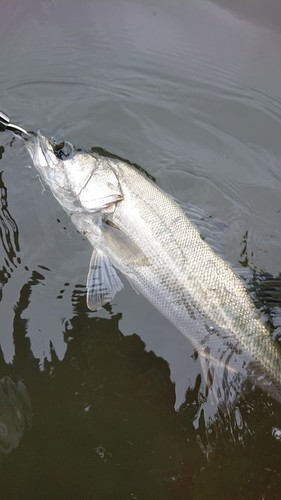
[9, 236]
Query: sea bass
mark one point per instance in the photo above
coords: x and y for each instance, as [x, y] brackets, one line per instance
[141, 231]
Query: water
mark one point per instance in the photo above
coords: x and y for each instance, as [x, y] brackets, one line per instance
[189, 90]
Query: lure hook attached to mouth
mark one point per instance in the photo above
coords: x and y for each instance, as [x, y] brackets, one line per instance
[6, 125]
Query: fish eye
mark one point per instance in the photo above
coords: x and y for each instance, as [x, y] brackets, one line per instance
[63, 150]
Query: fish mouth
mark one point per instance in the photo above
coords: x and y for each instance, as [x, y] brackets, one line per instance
[48, 152]
[40, 151]
[62, 150]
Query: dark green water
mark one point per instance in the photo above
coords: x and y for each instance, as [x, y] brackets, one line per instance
[190, 91]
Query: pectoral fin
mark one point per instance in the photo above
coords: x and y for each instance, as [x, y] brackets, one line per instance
[122, 244]
[103, 282]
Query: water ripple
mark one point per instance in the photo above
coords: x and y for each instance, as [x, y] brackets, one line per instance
[9, 236]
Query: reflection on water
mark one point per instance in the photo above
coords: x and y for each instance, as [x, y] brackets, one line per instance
[15, 413]
[107, 411]
[9, 237]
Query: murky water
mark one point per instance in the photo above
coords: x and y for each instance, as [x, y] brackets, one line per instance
[189, 90]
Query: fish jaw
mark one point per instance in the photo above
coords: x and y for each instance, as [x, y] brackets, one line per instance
[53, 171]
[42, 155]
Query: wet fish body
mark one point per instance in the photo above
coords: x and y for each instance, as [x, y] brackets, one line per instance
[140, 230]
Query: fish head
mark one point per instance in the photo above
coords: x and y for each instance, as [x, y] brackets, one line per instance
[48, 160]
[81, 182]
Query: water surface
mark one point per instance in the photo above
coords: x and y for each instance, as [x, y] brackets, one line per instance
[189, 90]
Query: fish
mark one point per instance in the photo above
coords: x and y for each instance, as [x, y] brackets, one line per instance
[140, 231]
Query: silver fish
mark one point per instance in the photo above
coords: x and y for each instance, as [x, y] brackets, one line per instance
[140, 230]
